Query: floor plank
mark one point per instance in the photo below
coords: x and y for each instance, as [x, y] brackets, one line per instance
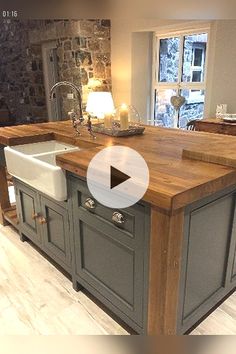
[36, 298]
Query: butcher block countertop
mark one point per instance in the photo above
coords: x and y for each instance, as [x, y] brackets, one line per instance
[216, 126]
[184, 166]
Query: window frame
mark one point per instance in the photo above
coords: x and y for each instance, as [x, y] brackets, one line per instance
[179, 85]
[198, 68]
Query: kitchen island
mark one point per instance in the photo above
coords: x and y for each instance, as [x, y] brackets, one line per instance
[215, 125]
[187, 247]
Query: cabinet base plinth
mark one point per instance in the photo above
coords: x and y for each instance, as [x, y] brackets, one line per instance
[76, 286]
[23, 238]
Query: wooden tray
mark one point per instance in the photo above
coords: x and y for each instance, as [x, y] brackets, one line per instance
[133, 130]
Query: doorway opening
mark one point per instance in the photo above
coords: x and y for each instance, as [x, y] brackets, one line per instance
[51, 76]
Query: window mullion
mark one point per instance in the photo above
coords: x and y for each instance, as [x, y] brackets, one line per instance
[166, 85]
[193, 85]
[157, 60]
[181, 55]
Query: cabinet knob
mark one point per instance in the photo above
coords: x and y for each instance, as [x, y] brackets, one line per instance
[89, 203]
[35, 216]
[118, 218]
[42, 220]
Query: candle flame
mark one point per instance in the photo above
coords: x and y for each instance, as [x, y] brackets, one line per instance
[124, 106]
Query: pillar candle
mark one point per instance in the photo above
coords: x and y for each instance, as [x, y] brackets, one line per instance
[108, 120]
[124, 117]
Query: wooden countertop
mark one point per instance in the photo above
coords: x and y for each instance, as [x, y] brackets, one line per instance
[176, 180]
[216, 125]
[214, 121]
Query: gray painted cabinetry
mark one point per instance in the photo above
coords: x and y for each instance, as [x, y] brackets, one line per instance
[45, 222]
[234, 268]
[56, 231]
[209, 263]
[28, 207]
[110, 258]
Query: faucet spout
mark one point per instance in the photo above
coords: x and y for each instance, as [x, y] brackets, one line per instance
[75, 88]
[76, 117]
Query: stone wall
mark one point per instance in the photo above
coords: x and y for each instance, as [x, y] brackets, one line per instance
[21, 75]
[164, 111]
[83, 54]
[169, 59]
[191, 41]
[191, 111]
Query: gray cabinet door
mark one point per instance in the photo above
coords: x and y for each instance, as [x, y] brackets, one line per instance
[109, 263]
[28, 207]
[55, 231]
[234, 268]
[231, 264]
[205, 277]
[111, 259]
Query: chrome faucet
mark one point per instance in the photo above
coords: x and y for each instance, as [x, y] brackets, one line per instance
[76, 116]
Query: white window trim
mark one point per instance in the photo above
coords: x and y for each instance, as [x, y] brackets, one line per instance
[199, 68]
[190, 28]
[183, 28]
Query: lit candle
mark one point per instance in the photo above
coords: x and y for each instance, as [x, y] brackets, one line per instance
[108, 120]
[124, 117]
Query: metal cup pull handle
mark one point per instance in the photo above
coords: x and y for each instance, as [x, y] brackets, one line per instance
[118, 218]
[90, 204]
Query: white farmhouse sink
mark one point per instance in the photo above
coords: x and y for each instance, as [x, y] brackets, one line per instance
[35, 164]
[43, 148]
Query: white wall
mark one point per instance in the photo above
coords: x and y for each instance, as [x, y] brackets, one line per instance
[131, 62]
[141, 73]
[121, 53]
[221, 77]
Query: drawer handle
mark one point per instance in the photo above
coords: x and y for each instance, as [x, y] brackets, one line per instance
[90, 203]
[42, 220]
[118, 218]
[35, 216]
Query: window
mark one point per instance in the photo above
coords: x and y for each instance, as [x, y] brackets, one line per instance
[180, 66]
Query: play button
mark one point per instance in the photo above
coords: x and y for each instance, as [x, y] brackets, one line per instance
[118, 177]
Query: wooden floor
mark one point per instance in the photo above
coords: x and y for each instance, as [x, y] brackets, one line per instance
[36, 298]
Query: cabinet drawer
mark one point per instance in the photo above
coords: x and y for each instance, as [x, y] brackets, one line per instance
[81, 194]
